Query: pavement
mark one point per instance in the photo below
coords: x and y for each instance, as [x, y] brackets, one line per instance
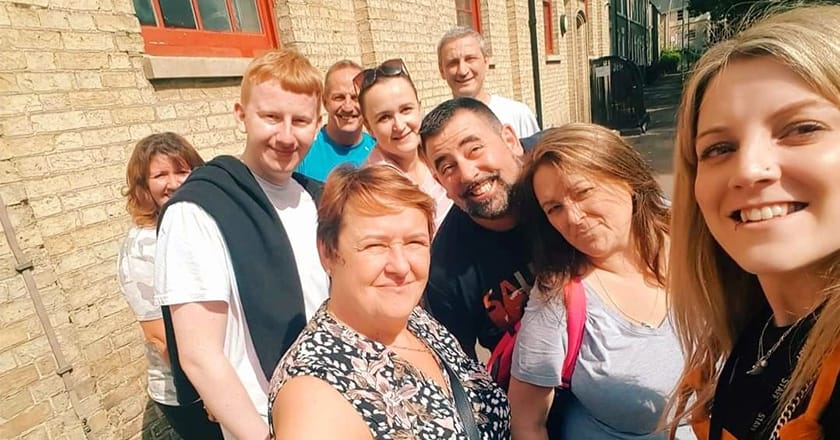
[662, 100]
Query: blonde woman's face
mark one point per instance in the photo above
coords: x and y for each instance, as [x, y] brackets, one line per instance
[768, 172]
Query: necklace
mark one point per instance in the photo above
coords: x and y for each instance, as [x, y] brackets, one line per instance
[644, 324]
[761, 363]
[422, 349]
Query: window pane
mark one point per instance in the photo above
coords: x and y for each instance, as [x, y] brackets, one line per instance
[246, 15]
[462, 4]
[177, 14]
[214, 15]
[145, 12]
[465, 19]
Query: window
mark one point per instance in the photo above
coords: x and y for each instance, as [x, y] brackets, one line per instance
[679, 15]
[224, 28]
[548, 21]
[468, 14]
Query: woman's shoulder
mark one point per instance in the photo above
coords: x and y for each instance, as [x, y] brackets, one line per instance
[138, 236]
[312, 398]
[325, 349]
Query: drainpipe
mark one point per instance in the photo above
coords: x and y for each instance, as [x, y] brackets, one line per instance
[25, 268]
[535, 59]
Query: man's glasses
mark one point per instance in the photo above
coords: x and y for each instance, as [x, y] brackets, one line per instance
[389, 68]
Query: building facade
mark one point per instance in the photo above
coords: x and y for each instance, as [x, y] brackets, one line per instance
[81, 81]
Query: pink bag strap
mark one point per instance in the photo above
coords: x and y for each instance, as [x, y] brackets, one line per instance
[575, 299]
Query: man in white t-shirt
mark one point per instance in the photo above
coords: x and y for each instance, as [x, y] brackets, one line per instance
[463, 62]
[237, 266]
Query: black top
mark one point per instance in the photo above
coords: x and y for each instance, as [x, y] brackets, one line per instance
[260, 253]
[745, 404]
[479, 280]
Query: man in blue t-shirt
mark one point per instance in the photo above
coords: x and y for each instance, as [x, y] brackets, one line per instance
[341, 140]
[479, 279]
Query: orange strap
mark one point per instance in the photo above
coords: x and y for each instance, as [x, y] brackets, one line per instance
[807, 426]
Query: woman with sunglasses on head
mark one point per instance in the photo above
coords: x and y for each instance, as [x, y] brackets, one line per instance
[371, 364]
[755, 253]
[391, 113]
[157, 167]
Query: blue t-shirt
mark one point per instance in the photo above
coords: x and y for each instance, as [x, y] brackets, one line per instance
[325, 154]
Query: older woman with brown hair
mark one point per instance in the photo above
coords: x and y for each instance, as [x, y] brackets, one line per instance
[157, 167]
[597, 217]
[371, 363]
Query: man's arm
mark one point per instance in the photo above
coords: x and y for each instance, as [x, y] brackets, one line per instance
[200, 330]
[446, 305]
[192, 277]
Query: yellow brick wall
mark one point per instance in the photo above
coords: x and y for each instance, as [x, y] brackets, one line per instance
[74, 100]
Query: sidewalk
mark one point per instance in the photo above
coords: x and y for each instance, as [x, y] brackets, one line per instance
[662, 100]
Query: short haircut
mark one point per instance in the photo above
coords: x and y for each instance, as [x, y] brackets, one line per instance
[139, 202]
[341, 65]
[459, 32]
[286, 66]
[436, 120]
[371, 190]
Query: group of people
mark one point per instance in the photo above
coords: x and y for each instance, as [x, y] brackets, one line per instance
[275, 306]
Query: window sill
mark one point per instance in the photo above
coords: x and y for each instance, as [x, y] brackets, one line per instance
[553, 59]
[167, 67]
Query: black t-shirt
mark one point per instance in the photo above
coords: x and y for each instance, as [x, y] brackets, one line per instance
[479, 280]
[744, 404]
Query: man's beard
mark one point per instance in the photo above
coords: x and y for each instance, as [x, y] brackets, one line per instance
[491, 208]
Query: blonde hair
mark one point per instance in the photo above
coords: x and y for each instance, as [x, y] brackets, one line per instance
[286, 66]
[712, 297]
[139, 202]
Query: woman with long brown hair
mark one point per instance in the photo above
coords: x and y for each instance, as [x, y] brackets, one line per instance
[157, 167]
[596, 217]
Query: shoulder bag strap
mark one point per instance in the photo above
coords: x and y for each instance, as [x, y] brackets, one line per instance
[575, 301]
[462, 404]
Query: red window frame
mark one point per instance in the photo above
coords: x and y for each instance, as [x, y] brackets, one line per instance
[160, 40]
[548, 22]
[474, 10]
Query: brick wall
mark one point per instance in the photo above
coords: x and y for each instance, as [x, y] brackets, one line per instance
[74, 100]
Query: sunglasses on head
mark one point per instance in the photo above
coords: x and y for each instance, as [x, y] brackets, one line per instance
[389, 68]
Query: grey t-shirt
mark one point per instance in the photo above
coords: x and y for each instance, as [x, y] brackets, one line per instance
[624, 372]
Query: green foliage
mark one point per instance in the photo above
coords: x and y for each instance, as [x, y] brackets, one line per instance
[669, 60]
[738, 11]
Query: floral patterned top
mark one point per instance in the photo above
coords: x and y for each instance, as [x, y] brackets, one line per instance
[395, 399]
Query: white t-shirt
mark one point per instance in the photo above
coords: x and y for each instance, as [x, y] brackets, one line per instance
[514, 113]
[194, 265]
[136, 276]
